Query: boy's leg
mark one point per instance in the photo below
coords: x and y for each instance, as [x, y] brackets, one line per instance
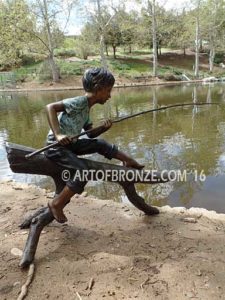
[127, 160]
[89, 146]
[59, 202]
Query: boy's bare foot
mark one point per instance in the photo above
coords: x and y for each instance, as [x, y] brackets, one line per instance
[131, 163]
[57, 212]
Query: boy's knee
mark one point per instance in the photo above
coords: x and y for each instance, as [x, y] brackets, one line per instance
[106, 149]
[76, 186]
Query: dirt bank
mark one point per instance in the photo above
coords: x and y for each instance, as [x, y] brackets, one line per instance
[74, 83]
[176, 255]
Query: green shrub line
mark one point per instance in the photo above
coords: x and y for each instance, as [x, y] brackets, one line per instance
[123, 66]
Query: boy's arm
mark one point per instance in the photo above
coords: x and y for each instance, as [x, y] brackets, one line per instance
[52, 110]
[95, 133]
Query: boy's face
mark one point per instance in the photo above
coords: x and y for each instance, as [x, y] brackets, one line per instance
[104, 94]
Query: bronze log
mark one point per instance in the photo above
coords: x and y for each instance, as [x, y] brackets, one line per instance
[41, 165]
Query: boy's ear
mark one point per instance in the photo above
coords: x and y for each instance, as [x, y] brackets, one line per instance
[96, 92]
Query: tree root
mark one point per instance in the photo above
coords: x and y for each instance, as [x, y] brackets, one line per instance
[24, 288]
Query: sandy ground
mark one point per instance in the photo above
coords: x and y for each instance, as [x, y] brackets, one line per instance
[178, 254]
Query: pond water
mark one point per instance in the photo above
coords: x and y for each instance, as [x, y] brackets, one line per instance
[187, 138]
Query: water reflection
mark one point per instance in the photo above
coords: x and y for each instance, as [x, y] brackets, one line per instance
[185, 138]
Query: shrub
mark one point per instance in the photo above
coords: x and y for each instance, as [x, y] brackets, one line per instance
[44, 71]
[70, 68]
[171, 77]
[28, 59]
[120, 66]
[219, 57]
[65, 52]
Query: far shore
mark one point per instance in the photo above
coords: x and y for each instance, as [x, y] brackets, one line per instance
[57, 87]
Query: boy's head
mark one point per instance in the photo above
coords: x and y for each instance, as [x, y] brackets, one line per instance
[96, 79]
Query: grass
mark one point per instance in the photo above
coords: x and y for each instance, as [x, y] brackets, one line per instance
[76, 67]
[138, 63]
[27, 71]
[31, 72]
[127, 67]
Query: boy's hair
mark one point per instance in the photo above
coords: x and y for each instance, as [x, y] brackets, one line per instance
[95, 79]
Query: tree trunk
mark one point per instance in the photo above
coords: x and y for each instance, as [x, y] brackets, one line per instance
[106, 49]
[200, 45]
[184, 51]
[102, 39]
[211, 57]
[197, 39]
[154, 40]
[130, 49]
[55, 70]
[114, 51]
[102, 49]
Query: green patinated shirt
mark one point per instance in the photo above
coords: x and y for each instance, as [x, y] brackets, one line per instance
[74, 118]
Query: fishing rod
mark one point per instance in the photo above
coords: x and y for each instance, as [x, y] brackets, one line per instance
[162, 108]
[117, 121]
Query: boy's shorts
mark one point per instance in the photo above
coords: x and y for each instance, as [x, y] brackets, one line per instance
[66, 156]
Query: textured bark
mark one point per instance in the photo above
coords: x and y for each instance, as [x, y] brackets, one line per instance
[154, 39]
[114, 51]
[197, 40]
[39, 164]
[211, 57]
[54, 68]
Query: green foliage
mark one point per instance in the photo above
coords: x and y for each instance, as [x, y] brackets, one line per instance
[70, 68]
[117, 65]
[44, 71]
[84, 49]
[76, 67]
[168, 76]
[14, 15]
[7, 80]
[27, 73]
[62, 52]
[69, 42]
[28, 59]
[219, 57]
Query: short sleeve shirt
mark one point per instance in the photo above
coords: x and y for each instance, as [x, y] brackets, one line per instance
[74, 118]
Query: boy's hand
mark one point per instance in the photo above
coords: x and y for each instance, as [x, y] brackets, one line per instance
[63, 139]
[107, 124]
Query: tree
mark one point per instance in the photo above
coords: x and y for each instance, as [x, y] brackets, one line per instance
[113, 36]
[213, 27]
[102, 18]
[48, 34]
[166, 28]
[182, 31]
[128, 23]
[196, 12]
[33, 25]
[13, 16]
[88, 40]
[144, 31]
[151, 11]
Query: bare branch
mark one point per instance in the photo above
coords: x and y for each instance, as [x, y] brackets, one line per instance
[36, 35]
[110, 19]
